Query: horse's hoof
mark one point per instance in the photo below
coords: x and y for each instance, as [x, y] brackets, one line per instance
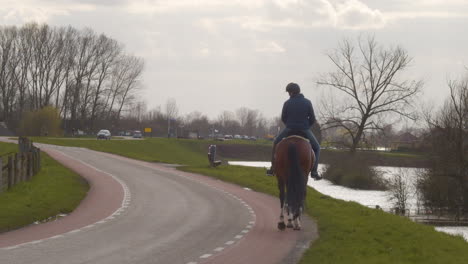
[281, 226]
[289, 225]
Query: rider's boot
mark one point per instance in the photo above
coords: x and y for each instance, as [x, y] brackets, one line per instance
[315, 175]
[271, 170]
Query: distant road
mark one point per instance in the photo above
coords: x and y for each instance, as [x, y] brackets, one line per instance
[156, 214]
[4, 131]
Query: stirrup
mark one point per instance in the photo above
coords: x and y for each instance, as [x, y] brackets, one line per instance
[316, 177]
[270, 172]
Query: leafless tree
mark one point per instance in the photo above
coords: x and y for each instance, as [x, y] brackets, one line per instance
[79, 72]
[399, 189]
[446, 181]
[368, 77]
[7, 68]
[247, 119]
[171, 113]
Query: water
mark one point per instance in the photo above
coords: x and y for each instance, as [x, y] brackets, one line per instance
[364, 197]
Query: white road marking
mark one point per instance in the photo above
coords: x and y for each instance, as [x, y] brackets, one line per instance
[125, 202]
[8, 248]
[218, 249]
[238, 237]
[205, 256]
[230, 242]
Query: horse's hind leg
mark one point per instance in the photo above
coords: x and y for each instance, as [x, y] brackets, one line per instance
[289, 225]
[297, 222]
[281, 225]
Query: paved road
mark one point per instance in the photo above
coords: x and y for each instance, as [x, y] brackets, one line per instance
[140, 212]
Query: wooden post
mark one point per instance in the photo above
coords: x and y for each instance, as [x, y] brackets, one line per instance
[30, 164]
[1, 174]
[23, 169]
[38, 159]
[10, 171]
[16, 170]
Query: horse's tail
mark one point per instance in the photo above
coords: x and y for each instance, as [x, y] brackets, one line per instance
[296, 188]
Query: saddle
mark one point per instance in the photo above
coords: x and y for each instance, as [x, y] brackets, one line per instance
[297, 134]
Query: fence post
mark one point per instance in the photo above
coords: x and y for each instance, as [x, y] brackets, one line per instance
[1, 174]
[30, 165]
[39, 159]
[10, 171]
[23, 167]
[16, 170]
[34, 153]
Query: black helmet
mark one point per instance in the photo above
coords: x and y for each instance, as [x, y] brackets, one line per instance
[293, 88]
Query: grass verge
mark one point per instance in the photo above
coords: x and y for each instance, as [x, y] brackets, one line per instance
[54, 190]
[349, 232]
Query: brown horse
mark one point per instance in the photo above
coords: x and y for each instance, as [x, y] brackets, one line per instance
[294, 159]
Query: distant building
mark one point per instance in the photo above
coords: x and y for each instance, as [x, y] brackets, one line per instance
[406, 141]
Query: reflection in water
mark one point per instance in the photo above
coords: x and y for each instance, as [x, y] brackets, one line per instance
[367, 198]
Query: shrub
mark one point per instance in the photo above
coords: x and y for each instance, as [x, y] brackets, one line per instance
[43, 122]
[355, 172]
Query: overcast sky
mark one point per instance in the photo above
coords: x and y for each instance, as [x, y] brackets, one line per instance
[215, 55]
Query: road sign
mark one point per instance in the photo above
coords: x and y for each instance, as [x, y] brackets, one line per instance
[147, 129]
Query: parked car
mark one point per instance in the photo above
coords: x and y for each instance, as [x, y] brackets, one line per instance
[237, 137]
[253, 138]
[104, 134]
[228, 137]
[137, 134]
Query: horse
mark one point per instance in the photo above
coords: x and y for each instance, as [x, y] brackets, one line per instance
[294, 159]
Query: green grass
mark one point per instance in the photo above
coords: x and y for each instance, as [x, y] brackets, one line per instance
[352, 233]
[181, 151]
[349, 232]
[54, 190]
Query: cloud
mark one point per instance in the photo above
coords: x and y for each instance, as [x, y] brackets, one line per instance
[19, 12]
[354, 14]
[269, 47]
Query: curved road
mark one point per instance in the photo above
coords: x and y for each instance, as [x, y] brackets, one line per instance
[139, 212]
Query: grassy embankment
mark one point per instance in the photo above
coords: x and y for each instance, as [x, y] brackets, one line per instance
[349, 232]
[54, 190]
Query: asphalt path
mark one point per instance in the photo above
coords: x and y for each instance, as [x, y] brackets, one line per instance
[140, 212]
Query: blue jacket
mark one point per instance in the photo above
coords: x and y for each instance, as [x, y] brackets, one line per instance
[298, 113]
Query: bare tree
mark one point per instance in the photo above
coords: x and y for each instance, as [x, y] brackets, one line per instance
[171, 113]
[369, 80]
[445, 183]
[247, 119]
[7, 68]
[399, 189]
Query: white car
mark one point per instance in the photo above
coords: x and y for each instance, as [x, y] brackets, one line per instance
[104, 134]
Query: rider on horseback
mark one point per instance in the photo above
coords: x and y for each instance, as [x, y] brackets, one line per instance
[297, 115]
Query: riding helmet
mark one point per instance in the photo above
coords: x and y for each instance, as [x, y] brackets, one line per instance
[293, 88]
